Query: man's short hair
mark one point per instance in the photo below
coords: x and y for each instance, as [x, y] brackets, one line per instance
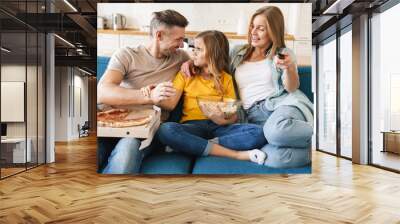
[167, 18]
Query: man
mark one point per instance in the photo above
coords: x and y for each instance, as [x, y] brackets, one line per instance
[133, 69]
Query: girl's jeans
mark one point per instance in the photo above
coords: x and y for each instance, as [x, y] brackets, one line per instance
[197, 137]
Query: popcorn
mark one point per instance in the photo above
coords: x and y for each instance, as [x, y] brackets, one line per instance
[226, 105]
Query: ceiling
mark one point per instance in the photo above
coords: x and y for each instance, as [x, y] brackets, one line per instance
[76, 22]
[76, 25]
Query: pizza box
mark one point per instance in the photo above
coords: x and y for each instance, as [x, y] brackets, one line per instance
[145, 131]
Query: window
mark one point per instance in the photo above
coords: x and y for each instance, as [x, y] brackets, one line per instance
[385, 89]
[22, 74]
[327, 96]
[346, 93]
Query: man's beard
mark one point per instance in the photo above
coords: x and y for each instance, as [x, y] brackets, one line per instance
[170, 52]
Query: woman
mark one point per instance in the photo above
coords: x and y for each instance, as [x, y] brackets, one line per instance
[268, 88]
[202, 132]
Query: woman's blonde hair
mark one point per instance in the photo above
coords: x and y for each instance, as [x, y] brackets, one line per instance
[275, 28]
[217, 55]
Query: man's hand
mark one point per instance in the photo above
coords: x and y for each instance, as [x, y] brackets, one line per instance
[187, 68]
[161, 92]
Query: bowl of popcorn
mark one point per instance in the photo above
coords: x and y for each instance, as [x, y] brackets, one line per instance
[215, 104]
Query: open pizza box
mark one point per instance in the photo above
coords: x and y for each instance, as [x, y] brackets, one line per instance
[144, 131]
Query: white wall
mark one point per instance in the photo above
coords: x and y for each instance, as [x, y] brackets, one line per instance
[220, 16]
[67, 115]
[61, 103]
[80, 100]
[82, 82]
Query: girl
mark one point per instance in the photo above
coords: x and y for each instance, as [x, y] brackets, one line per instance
[202, 132]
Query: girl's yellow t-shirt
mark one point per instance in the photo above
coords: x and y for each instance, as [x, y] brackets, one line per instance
[197, 86]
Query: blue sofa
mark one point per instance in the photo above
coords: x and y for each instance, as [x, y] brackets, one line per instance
[161, 162]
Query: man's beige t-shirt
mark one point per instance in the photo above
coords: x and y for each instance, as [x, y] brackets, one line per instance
[141, 69]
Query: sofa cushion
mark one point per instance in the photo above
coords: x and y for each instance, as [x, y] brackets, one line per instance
[102, 63]
[167, 163]
[222, 165]
[305, 79]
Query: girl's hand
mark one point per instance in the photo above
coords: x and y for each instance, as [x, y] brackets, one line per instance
[187, 68]
[162, 91]
[146, 91]
[215, 114]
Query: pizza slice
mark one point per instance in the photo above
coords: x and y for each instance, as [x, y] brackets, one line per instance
[120, 118]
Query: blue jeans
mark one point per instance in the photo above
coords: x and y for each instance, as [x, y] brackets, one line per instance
[126, 158]
[197, 137]
[287, 132]
[286, 157]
